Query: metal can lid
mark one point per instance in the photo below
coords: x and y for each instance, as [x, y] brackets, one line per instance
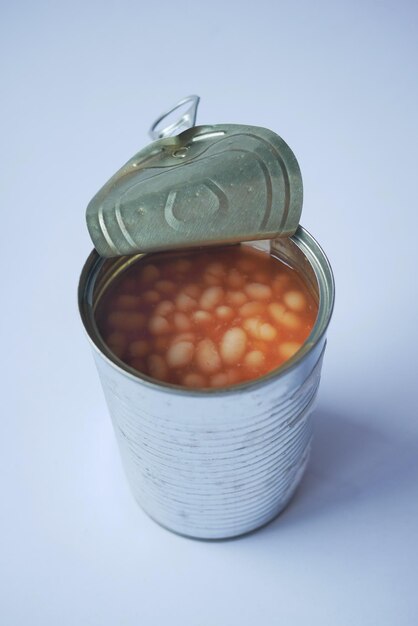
[208, 185]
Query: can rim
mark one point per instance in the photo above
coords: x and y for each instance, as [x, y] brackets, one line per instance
[326, 284]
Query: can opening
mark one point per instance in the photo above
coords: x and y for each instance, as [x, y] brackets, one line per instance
[299, 252]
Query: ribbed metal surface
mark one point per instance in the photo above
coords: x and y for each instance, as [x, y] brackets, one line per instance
[213, 467]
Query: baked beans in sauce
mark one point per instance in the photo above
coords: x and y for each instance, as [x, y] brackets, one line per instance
[211, 318]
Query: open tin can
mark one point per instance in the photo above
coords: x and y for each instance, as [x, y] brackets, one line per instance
[209, 463]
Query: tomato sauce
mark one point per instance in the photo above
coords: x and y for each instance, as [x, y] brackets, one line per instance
[210, 318]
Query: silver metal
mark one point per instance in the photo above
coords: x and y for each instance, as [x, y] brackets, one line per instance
[209, 185]
[215, 463]
[186, 120]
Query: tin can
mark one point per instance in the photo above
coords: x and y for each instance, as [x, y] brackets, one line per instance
[214, 464]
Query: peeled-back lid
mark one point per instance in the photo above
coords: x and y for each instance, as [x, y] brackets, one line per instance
[208, 185]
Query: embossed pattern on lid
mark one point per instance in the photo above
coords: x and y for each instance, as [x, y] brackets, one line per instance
[209, 185]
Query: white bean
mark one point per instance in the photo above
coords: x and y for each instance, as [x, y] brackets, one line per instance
[192, 290]
[235, 279]
[185, 303]
[258, 291]
[181, 321]
[236, 298]
[254, 359]
[202, 317]
[212, 280]
[157, 367]
[289, 348]
[252, 308]
[180, 354]
[295, 300]
[276, 311]
[233, 345]
[164, 308]
[291, 320]
[224, 312]
[211, 297]
[158, 325]
[194, 380]
[267, 332]
[214, 274]
[252, 326]
[216, 268]
[207, 357]
[183, 337]
[279, 283]
[219, 380]
[259, 329]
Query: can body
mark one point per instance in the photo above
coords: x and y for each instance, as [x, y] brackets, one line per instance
[219, 463]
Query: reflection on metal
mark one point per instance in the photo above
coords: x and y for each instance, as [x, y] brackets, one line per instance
[186, 120]
[218, 184]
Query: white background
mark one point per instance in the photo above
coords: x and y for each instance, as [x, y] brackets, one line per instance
[80, 85]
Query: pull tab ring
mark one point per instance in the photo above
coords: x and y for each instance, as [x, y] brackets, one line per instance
[188, 119]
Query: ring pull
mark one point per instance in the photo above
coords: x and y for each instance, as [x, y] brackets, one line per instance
[162, 126]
